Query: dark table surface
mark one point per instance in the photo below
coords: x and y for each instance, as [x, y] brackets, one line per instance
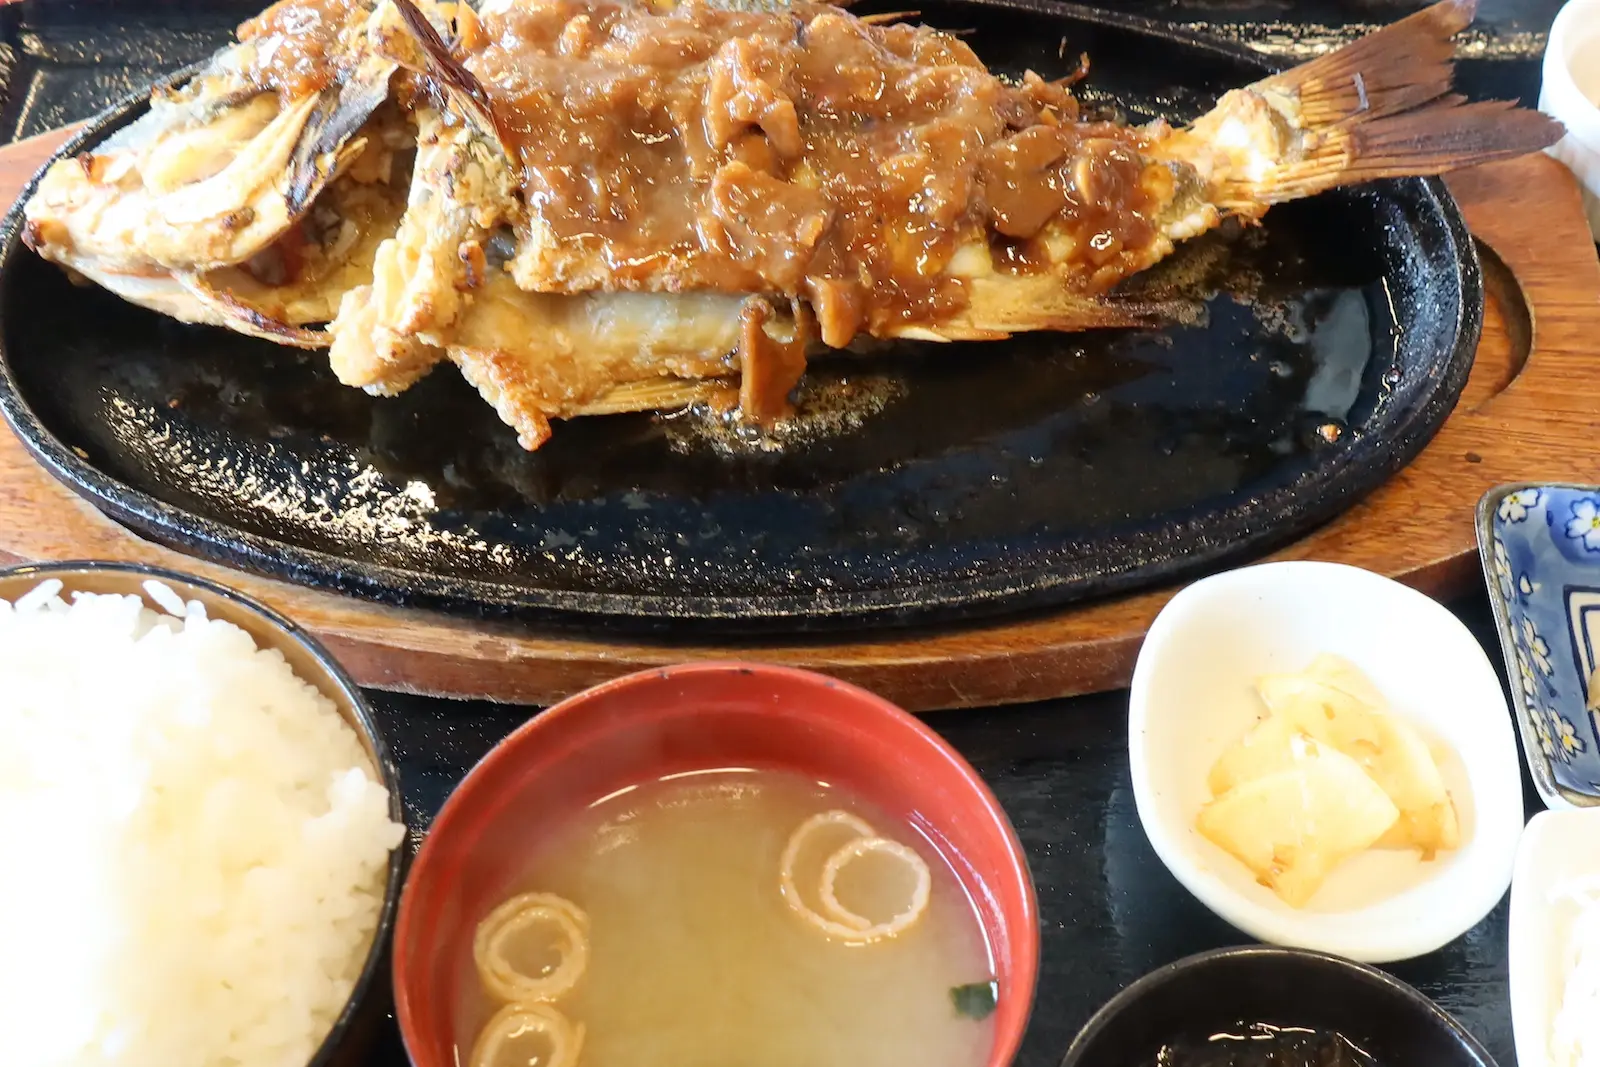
[1110, 911]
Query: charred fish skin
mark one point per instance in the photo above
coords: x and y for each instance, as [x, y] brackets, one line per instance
[331, 138]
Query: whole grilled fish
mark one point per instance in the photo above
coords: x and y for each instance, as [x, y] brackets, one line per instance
[619, 205]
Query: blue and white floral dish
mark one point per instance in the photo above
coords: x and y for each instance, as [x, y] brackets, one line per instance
[1540, 546]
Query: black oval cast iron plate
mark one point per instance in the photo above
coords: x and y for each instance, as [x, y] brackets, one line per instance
[933, 484]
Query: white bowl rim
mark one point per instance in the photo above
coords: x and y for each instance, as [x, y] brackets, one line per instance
[1559, 95]
[1471, 897]
[370, 990]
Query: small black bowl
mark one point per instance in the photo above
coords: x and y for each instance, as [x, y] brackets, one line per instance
[1218, 991]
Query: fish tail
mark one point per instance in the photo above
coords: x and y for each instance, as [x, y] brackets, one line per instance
[1380, 107]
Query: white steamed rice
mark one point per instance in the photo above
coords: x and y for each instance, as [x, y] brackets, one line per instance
[1575, 1036]
[192, 842]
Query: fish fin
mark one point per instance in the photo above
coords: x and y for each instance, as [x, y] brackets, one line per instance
[499, 379]
[1000, 305]
[242, 318]
[656, 394]
[883, 18]
[1445, 136]
[433, 59]
[1399, 67]
[1380, 107]
[365, 352]
[535, 357]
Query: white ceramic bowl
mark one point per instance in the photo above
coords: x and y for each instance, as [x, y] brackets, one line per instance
[1193, 695]
[1557, 845]
[1570, 92]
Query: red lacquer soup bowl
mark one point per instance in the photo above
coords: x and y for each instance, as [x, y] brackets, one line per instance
[693, 717]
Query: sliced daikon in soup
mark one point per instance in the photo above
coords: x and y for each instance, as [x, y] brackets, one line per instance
[736, 917]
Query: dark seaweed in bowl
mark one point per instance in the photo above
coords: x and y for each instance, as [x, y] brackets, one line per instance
[1290, 1000]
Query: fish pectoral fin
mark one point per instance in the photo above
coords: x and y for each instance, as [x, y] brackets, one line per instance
[242, 318]
[388, 335]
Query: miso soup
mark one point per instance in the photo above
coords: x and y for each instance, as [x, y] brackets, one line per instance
[695, 954]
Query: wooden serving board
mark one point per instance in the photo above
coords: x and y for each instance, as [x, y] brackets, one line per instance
[1531, 411]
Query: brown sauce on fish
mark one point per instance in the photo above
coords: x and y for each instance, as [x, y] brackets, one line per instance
[803, 152]
[302, 46]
